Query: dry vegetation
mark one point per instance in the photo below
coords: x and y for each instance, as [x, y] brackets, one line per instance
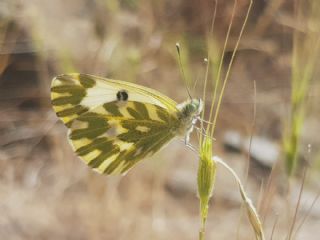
[46, 193]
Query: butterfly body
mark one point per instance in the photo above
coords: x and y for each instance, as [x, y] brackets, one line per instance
[114, 124]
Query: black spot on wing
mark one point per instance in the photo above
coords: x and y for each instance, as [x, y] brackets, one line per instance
[122, 95]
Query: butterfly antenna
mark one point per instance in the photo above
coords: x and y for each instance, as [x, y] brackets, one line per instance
[181, 69]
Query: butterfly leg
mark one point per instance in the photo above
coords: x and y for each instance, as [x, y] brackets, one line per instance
[187, 139]
[187, 136]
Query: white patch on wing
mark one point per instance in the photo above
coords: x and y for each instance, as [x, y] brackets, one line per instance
[112, 132]
[115, 129]
[124, 146]
[143, 129]
[97, 95]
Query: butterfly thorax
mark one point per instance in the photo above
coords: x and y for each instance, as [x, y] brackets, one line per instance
[189, 112]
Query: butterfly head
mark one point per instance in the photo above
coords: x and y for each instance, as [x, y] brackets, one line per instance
[191, 109]
[189, 114]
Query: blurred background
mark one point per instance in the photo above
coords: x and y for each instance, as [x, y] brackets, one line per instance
[272, 97]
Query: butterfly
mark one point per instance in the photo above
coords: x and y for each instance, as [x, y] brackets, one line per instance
[114, 124]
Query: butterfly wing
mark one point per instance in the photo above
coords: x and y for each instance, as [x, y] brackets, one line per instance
[108, 134]
[74, 94]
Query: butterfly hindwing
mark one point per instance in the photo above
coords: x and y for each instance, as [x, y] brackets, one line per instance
[112, 124]
[114, 143]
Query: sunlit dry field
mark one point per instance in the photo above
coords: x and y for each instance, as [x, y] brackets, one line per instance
[46, 192]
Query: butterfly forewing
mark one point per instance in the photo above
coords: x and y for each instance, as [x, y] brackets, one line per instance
[108, 132]
[77, 93]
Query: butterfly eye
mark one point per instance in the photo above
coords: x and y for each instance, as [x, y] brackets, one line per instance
[122, 95]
